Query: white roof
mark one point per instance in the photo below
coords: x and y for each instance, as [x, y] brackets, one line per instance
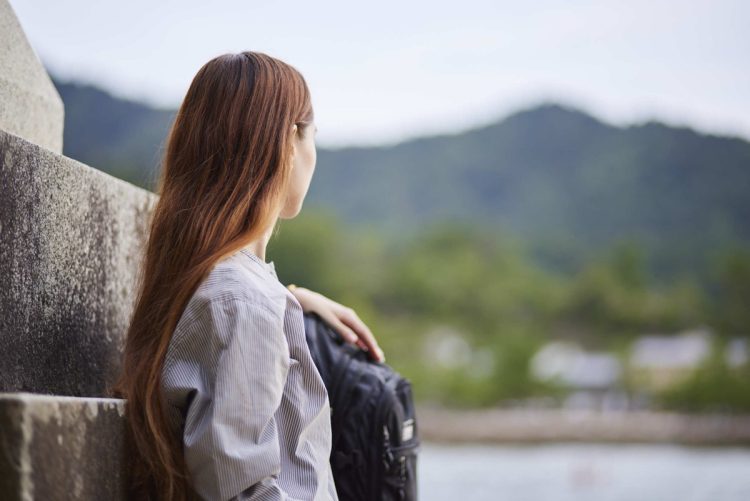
[686, 350]
[572, 366]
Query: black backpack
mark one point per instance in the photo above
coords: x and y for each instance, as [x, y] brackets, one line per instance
[375, 436]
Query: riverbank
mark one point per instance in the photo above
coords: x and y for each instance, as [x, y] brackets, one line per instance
[559, 425]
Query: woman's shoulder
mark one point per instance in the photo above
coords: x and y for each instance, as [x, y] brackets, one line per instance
[232, 280]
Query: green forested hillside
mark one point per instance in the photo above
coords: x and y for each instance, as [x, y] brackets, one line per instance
[566, 182]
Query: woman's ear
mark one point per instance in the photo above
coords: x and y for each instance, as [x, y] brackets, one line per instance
[294, 143]
[294, 140]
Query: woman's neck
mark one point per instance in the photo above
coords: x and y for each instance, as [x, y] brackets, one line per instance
[258, 247]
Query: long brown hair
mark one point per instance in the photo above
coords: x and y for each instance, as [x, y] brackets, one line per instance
[224, 177]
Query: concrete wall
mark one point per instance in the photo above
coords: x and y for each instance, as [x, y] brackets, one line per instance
[30, 106]
[71, 238]
[71, 241]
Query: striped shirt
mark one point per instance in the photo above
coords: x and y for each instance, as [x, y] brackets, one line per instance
[244, 392]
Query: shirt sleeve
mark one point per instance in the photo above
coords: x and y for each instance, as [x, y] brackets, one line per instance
[239, 353]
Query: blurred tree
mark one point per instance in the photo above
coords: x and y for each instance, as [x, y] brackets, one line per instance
[731, 311]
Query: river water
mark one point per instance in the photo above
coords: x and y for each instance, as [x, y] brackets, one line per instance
[582, 472]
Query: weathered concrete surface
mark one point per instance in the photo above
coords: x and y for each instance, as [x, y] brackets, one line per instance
[30, 106]
[71, 239]
[61, 448]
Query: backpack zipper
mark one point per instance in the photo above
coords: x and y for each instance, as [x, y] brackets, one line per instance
[381, 437]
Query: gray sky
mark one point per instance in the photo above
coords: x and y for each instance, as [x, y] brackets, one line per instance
[383, 71]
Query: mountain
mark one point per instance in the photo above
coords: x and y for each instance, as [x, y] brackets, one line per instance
[119, 136]
[566, 182]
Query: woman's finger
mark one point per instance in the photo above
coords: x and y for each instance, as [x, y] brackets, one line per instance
[348, 334]
[362, 344]
[350, 318]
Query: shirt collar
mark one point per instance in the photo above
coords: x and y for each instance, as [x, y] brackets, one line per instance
[268, 266]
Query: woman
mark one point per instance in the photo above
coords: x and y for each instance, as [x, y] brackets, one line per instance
[223, 398]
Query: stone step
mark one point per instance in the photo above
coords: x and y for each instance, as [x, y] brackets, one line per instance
[56, 447]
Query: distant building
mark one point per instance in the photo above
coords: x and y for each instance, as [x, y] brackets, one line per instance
[574, 367]
[736, 354]
[658, 362]
[448, 348]
[592, 377]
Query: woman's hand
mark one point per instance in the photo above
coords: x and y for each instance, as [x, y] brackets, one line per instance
[340, 317]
